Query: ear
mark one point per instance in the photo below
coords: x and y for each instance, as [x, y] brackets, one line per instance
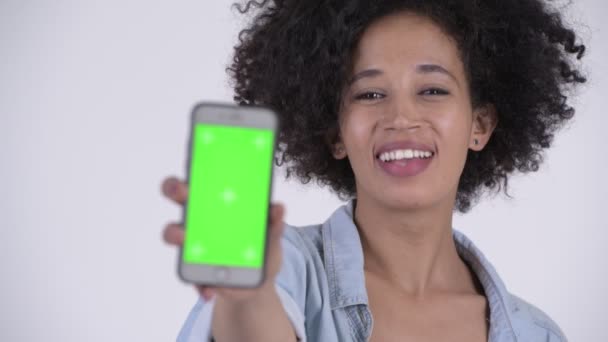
[334, 141]
[485, 120]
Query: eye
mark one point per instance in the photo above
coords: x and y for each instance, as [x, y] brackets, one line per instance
[434, 91]
[370, 96]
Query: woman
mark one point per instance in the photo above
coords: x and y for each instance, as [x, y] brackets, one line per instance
[409, 109]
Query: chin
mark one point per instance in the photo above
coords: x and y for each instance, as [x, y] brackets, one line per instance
[406, 197]
[407, 200]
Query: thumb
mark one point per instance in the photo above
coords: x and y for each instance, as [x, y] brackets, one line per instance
[277, 212]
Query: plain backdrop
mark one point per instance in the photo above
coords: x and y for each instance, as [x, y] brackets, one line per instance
[94, 105]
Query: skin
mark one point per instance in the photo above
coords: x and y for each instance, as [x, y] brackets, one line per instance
[418, 287]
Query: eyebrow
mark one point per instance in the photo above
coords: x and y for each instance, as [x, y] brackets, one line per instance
[430, 68]
[421, 68]
[365, 73]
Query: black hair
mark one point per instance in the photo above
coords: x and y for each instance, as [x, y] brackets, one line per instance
[519, 56]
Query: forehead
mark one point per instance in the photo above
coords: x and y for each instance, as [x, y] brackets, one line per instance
[406, 38]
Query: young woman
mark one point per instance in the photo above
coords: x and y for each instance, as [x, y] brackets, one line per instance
[409, 109]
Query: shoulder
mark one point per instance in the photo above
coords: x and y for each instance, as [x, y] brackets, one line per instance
[533, 324]
[304, 244]
[302, 271]
[307, 239]
[508, 311]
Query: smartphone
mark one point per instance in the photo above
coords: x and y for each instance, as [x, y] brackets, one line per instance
[229, 175]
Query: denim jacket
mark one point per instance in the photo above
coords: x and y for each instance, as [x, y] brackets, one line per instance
[321, 285]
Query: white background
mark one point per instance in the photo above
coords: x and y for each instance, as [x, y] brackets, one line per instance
[94, 105]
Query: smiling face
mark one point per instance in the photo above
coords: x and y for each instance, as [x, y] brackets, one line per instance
[406, 120]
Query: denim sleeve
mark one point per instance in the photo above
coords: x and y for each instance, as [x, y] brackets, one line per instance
[197, 327]
[198, 324]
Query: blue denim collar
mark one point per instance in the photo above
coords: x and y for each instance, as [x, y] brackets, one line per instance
[344, 265]
[344, 259]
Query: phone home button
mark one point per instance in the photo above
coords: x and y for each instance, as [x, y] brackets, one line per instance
[221, 274]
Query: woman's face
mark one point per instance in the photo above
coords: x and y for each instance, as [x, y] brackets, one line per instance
[406, 120]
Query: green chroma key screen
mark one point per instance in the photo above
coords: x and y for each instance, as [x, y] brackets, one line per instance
[228, 196]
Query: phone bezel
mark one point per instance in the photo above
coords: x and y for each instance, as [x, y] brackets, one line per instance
[239, 116]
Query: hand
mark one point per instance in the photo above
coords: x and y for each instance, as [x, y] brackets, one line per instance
[173, 234]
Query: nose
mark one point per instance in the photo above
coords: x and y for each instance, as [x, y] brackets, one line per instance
[401, 114]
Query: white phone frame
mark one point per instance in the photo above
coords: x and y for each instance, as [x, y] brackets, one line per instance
[240, 116]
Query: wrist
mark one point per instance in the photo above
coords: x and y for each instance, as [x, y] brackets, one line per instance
[246, 298]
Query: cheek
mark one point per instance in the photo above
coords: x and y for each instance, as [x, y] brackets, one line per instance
[357, 128]
[454, 129]
[454, 134]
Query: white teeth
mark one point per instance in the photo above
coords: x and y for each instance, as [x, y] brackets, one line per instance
[404, 154]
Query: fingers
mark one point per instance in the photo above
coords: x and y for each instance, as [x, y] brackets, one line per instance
[174, 234]
[205, 292]
[277, 211]
[175, 190]
[274, 255]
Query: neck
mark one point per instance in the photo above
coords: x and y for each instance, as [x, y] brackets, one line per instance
[413, 251]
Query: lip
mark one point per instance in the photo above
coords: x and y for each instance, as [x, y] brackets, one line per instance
[402, 145]
[411, 167]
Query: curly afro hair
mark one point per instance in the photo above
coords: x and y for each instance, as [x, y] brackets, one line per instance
[295, 57]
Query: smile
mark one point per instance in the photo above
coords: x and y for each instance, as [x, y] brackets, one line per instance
[404, 154]
[404, 158]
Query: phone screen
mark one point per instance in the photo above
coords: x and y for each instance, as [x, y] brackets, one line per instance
[229, 189]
